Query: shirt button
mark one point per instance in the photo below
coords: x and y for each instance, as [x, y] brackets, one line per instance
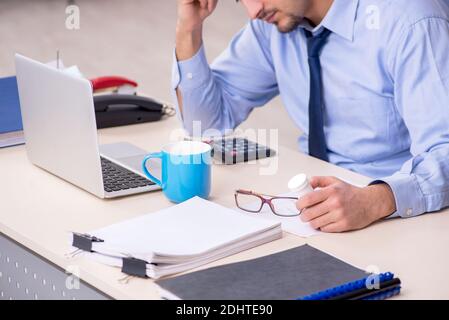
[190, 76]
[409, 212]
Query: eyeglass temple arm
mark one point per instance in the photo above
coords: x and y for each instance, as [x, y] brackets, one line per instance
[249, 192]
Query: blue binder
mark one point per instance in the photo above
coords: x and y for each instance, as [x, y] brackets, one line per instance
[10, 116]
[387, 286]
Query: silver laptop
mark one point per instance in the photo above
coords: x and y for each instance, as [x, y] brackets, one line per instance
[61, 134]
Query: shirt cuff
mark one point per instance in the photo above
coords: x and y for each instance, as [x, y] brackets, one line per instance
[192, 73]
[407, 193]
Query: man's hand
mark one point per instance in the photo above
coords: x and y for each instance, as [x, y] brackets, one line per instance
[192, 13]
[338, 206]
[191, 16]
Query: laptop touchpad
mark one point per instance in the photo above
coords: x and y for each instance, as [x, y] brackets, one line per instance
[130, 156]
[135, 163]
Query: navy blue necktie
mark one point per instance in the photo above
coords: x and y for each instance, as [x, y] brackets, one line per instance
[317, 140]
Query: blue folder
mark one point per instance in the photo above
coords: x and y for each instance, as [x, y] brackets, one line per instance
[10, 117]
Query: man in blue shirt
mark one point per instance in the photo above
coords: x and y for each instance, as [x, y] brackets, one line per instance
[367, 81]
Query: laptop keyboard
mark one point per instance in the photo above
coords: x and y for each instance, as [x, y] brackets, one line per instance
[116, 178]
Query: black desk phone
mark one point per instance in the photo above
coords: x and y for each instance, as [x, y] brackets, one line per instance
[112, 110]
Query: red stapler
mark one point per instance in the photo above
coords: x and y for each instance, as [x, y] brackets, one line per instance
[114, 84]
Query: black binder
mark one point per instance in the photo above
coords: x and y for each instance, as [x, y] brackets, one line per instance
[300, 273]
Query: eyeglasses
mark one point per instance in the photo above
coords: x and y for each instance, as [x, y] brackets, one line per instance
[253, 202]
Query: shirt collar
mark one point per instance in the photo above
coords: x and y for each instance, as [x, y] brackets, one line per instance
[340, 19]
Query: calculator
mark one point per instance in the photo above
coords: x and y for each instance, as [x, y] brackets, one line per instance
[234, 150]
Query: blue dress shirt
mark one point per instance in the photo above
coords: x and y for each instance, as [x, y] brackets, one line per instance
[385, 71]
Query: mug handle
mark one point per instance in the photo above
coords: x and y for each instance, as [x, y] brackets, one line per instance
[157, 155]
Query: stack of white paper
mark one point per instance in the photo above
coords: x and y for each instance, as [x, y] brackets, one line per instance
[182, 237]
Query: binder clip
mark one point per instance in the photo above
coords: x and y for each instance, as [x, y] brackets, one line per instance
[83, 242]
[134, 267]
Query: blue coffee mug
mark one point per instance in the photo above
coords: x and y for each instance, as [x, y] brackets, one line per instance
[186, 170]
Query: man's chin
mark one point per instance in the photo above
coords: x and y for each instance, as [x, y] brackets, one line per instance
[289, 26]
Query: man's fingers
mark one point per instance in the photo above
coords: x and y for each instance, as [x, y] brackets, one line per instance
[212, 5]
[324, 220]
[312, 198]
[335, 227]
[314, 212]
[203, 4]
[322, 182]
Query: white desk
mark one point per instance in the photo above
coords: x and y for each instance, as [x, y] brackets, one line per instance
[38, 210]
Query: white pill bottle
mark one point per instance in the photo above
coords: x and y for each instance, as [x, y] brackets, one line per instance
[300, 185]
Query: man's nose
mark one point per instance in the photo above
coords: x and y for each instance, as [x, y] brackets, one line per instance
[253, 7]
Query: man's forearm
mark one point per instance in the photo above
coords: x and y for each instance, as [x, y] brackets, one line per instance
[188, 43]
[191, 16]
